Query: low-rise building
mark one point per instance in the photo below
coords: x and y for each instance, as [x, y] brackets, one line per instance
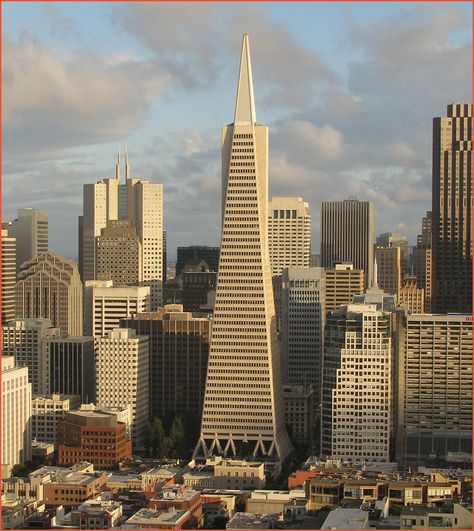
[253, 521]
[447, 517]
[123, 482]
[45, 413]
[324, 492]
[439, 491]
[74, 488]
[42, 450]
[199, 477]
[346, 519]
[99, 514]
[158, 519]
[405, 492]
[179, 498]
[272, 501]
[17, 510]
[364, 489]
[157, 474]
[234, 474]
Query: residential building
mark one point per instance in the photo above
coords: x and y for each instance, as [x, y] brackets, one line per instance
[389, 269]
[49, 286]
[197, 253]
[16, 415]
[299, 403]
[179, 352]
[453, 516]
[357, 384]
[92, 436]
[123, 352]
[289, 233]
[435, 382]
[347, 235]
[24, 339]
[342, 518]
[69, 367]
[272, 501]
[342, 283]
[106, 304]
[46, 411]
[8, 276]
[119, 253]
[421, 260]
[30, 229]
[452, 210]
[411, 297]
[303, 319]
[243, 405]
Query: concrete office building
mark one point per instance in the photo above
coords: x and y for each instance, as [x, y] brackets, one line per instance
[342, 283]
[389, 269]
[435, 388]
[421, 260]
[46, 411]
[299, 412]
[357, 384]
[452, 210]
[49, 286]
[16, 415]
[104, 202]
[69, 367]
[179, 352]
[243, 405]
[123, 352]
[105, 305]
[347, 235]
[303, 319]
[8, 276]
[24, 339]
[119, 254]
[198, 281]
[289, 233]
[389, 239]
[30, 228]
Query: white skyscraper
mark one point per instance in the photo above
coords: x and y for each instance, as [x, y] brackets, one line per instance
[289, 233]
[16, 414]
[243, 410]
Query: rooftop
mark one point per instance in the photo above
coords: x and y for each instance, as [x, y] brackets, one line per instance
[149, 516]
[346, 519]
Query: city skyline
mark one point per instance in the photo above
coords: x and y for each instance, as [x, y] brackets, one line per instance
[344, 121]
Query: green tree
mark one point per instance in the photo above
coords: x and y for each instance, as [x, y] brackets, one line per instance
[178, 436]
[156, 436]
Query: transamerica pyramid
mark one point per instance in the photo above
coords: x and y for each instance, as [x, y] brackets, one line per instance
[243, 413]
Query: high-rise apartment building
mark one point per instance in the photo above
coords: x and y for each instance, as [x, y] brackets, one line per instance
[435, 388]
[107, 201]
[69, 367]
[16, 414]
[389, 269]
[411, 297]
[421, 260]
[347, 235]
[195, 253]
[289, 233]
[49, 286]
[119, 253]
[357, 384]
[342, 283]
[452, 210]
[30, 229]
[24, 340]
[8, 257]
[303, 319]
[105, 305]
[243, 410]
[121, 353]
[179, 352]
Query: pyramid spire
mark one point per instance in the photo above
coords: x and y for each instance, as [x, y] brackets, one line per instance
[245, 103]
[117, 166]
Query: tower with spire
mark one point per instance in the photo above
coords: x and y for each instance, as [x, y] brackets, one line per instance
[243, 413]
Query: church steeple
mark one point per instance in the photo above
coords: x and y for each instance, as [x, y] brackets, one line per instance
[245, 103]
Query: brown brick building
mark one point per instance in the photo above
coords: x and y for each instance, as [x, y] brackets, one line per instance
[92, 436]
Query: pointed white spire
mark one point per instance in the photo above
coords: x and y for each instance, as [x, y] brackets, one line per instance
[375, 282]
[245, 103]
[127, 167]
[117, 166]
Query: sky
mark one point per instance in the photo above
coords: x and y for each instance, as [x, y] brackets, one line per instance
[348, 90]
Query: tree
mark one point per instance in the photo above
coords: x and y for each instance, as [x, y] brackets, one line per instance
[156, 436]
[178, 437]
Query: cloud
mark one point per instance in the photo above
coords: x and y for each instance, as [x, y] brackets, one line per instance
[53, 101]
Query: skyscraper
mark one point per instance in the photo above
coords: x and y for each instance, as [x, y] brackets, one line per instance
[452, 210]
[342, 283]
[49, 286]
[303, 318]
[347, 235]
[289, 233]
[243, 411]
[421, 260]
[8, 276]
[435, 383]
[389, 269]
[30, 228]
